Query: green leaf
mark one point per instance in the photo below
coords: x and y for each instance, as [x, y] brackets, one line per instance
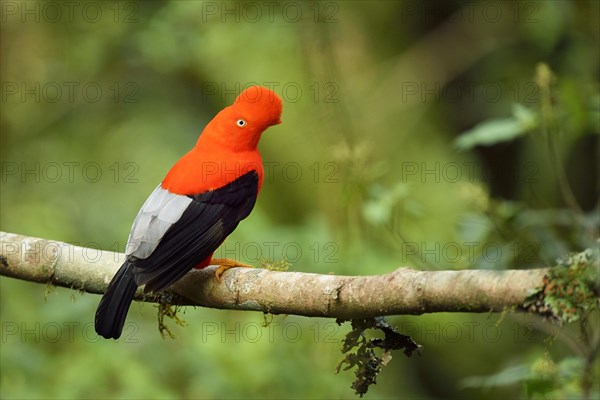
[498, 130]
[490, 132]
[506, 377]
[527, 118]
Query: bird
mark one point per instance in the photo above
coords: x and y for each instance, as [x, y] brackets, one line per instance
[200, 202]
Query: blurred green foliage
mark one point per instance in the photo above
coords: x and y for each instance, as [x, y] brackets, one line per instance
[99, 99]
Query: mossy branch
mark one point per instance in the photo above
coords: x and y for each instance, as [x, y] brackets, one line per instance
[403, 291]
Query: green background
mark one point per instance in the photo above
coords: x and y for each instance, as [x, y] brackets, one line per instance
[364, 175]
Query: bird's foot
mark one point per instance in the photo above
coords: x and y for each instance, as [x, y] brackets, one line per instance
[226, 263]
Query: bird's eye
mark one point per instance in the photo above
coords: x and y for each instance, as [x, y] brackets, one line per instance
[241, 123]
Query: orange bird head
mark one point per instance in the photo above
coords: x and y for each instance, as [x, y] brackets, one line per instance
[240, 126]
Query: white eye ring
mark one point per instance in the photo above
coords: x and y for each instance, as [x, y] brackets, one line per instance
[241, 122]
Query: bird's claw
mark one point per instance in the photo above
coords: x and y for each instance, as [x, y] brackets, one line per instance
[225, 264]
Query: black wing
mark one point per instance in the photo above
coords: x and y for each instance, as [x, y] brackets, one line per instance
[203, 226]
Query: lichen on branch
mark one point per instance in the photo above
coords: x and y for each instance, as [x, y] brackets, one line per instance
[402, 291]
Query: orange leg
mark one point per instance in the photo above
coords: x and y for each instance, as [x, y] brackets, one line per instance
[226, 263]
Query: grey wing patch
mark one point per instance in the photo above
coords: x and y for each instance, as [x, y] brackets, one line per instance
[160, 211]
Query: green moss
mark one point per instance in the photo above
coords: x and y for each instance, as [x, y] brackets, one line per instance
[281, 265]
[571, 290]
[166, 309]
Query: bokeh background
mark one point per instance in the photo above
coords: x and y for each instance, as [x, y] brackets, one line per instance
[428, 134]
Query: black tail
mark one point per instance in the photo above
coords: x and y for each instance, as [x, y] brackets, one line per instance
[112, 310]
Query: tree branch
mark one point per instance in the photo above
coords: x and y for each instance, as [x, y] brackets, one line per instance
[403, 291]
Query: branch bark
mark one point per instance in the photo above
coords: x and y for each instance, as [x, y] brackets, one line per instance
[403, 291]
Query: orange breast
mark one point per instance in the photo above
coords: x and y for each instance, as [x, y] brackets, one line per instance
[198, 172]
